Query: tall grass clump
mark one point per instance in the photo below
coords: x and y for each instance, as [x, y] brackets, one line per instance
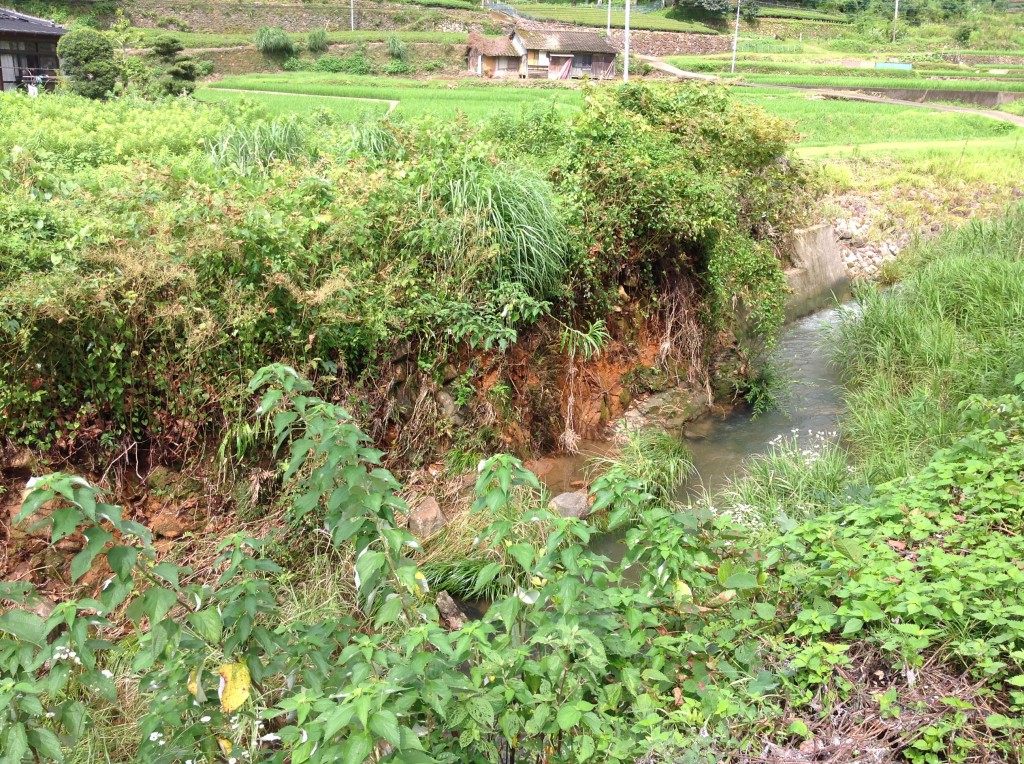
[510, 225]
[316, 41]
[794, 479]
[657, 459]
[274, 41]
[396, 47]
[953, 328]
[247, 149]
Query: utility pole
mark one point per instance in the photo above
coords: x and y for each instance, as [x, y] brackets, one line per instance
[736, 36]
[608, 31]
[625, 66]
[895, 18]
[352, 14]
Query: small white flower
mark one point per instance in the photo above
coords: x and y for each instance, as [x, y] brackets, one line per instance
[204, 719]
[481, 465]
[270, 738]
[107, 673]
[154, 736]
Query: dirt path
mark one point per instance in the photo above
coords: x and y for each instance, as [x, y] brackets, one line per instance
[839, 95]
[662, 66]
[391, 104]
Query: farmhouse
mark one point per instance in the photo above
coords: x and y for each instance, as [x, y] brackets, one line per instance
[28, 50]
[542, 54]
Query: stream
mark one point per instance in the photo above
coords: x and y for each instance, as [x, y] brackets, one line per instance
[721, 445]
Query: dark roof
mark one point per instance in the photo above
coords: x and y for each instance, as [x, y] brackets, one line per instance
[565, 42]
[22, 23]
[492, 46]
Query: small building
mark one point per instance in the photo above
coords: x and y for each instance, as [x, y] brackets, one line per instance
[28, 50]
[542, 54]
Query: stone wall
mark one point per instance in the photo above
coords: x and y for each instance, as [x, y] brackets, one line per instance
[988, 99]
[671, 43]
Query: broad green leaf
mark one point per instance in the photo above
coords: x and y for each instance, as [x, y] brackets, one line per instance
[97, 540]
[741, 580]
[568, 717]
[122, 559]
[357, 749]
[584, 747]
[207, 624]
[487, 574]
[45, 743]
[15, 744]
[765, 611]
[384, 724]
[24, 625]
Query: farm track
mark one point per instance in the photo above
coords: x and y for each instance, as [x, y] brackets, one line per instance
[391, 104]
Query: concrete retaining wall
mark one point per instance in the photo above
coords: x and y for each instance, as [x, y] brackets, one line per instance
[987, 99]
[818, 274]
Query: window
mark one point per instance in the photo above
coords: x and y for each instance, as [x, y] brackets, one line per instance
[584, 60]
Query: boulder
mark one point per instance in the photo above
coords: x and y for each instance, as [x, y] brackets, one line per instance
[426, 519]
[167, 525]
[451, 614]
[571, 504]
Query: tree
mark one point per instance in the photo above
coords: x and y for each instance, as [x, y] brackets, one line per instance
[87, 59]
[711, 6]
[180, 72]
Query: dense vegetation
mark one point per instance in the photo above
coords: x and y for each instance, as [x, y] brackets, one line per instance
[884, 619]
[155, 254]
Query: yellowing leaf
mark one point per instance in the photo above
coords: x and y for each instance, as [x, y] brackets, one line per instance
[193, 681]
[225, 746]
[234, 686]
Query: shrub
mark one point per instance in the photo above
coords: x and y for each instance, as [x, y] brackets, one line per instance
[274, 41]
[316, 41]
[398, 67]
[396, 47]
[355, 63]
[167, 46]
[433, 66]
[87, 59]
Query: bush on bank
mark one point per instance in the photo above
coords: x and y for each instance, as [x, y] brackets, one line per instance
[146, 273]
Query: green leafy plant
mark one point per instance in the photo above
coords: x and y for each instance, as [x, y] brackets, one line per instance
[396, 47]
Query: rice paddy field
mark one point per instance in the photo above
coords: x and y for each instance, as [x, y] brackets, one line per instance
[800, 80]
[416, 98]
[821, 123]
[283, 104]
[850, 123]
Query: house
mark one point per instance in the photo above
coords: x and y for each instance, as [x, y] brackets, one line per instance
[28, 50]
[543, 54]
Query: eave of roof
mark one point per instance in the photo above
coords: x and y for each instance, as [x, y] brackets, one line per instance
[13, 22]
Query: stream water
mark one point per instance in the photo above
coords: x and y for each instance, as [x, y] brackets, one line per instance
[720, 445]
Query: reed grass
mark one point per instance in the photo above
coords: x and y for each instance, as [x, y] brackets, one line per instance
[954, 327]
[246, 149]
[659, 460]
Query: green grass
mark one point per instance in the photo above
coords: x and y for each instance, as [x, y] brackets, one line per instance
[954, 328]
[201, 40]
[598, 17]
[919, 77]
[415, 98]
[832, 123]
[803, 14]
[876, 82]
[283, 105]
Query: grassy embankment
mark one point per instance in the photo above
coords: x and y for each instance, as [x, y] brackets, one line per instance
[200, 40]
[667, 20]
